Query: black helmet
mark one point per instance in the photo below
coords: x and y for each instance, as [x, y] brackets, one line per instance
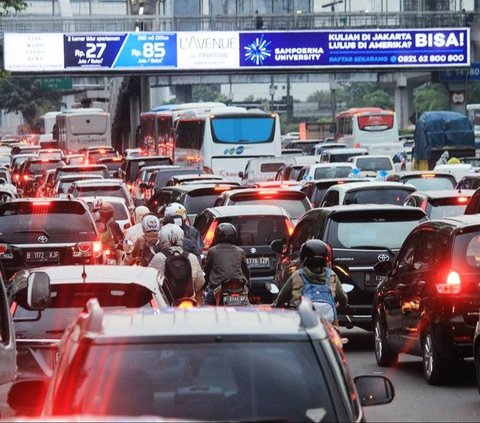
[225, 232]
[106, 211]
[314, 253]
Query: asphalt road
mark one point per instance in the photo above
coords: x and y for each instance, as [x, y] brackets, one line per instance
[415, 400]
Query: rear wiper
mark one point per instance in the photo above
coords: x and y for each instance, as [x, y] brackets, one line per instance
[374, 247]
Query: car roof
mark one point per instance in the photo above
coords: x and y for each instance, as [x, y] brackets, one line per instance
[460, 220]
[372, 156]
[372, 185]
[355, 208]
[247, 210]
[260, 190]
[435, 173]
[103, 198]
[199, 321]
[444, 193]
[99, 181]
[333, 164]
[99, 273]
[328, 181]
[190, 188]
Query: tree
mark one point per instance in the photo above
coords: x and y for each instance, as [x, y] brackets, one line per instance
[6, 6]
[431, 97]
[379, 98]
[26, 96]
[208, 93]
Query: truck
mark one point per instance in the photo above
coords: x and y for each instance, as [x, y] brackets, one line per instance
[441, 134]
[316, 130]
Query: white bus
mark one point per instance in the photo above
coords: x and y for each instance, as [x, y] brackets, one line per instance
[473, 112]
[372, 128]
[78, 129]
[224, 140]
[47, 121]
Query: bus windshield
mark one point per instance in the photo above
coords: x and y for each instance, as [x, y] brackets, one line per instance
[245, 130]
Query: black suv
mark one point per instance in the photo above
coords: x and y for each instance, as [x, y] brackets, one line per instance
[46, 232]
[131, 165]
[239, 364]
[32, 174]
[428, 303]
[360, 237]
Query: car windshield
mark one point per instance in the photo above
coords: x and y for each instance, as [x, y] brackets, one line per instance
[332, 172]
[98, 191]
[296, 208]
[258, 230]
[430, 184]
[377, 196]
[68, 301]
[372, 230]
[213, 381]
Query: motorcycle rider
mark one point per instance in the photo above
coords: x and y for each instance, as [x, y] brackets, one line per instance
[170, 237]
[110, 233]
[315, 258]
[135, 231]
[143, 247]
[225, 261]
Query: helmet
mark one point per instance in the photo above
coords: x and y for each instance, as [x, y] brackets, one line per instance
[150, 223]
[170, 235]
[453, 160]
[176, 209]
[140, 211]
[226, 232]
[106, 211]
[314, 253]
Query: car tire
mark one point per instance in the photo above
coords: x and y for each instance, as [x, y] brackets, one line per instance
[435, 369]
[384, 354]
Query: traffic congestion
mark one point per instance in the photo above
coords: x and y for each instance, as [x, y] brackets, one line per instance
[185, 280]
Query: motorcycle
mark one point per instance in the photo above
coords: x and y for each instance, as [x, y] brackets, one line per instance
[233, 292]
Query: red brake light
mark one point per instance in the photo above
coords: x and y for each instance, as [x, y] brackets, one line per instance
[452, 285]
[210, 234]
[40, 203]
[3, 248]
[290, 226]
[84, 247]
[357, 145]
[462, 199]
[97, 248]
[26, 177]
[268, 192]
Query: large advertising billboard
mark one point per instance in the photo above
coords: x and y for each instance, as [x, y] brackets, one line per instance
[316, 50]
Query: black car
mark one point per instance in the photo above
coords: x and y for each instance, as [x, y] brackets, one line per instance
[257, 226]
[32, 173]
[46, 232]
[427, 303]
[316, 189]
[360, 237]
[131, 165]
[476, 352]
[222, 364]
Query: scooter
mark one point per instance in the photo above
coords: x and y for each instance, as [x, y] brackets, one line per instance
[233, 292]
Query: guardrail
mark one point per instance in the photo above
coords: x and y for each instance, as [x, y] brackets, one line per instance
[304, 21]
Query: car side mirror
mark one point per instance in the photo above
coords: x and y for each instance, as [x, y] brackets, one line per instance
[374, 390]
[38, 290]
[277, 246]
[383, 268]
[27, 396]
[241, 175]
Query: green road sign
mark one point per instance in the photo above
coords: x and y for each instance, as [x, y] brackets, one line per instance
[57, 84]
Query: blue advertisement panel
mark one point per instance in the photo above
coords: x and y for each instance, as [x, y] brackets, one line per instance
[120, 51]
[396, 48]
[461, 75]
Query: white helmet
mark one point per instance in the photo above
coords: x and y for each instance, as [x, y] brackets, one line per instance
[170, 235]
[176, 209]
[140, 211]
[150, 223]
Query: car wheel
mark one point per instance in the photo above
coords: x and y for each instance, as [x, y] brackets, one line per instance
[384, 354]
[434, 368]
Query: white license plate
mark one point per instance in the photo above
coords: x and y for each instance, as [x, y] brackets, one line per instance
[42, 256]
[258, 262]
[372, 280]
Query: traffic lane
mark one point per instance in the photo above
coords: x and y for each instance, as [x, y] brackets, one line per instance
[414, 400]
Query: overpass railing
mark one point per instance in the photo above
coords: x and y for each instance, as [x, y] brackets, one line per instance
[304, 21]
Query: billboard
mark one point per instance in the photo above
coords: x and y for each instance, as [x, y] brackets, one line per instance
[315, 50]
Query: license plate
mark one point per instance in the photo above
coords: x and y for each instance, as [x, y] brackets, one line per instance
[372, 280]
[42, 256]
[258, 262]
[235, 300]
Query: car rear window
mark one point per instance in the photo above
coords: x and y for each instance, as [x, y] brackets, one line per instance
[87, 191]
[258, 230]
[52, 217]
[372, 229]
[271, 167]
[374, 163]
[377, 196]
[41, 167]
[196, 203]
[332, 172]
[466, 249]
[431, 183]
[296, 208]
[446, 207]
[68, 301]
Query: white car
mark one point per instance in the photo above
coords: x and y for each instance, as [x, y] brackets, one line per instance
[325, 171]
[373, 165]
[261, 169]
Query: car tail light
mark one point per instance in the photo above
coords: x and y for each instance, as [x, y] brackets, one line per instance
[40, 203]
[290, 226]
[452, 284]
[357, 145]
[3, 248]
[185, 303]
[97, 248]
[84, 247]
[26, 177]
[210, 234]
[462, 199]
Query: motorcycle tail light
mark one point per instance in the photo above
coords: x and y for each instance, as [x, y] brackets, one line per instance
[452, 285]
[233, 285]
[185, 303]
[210, 234]
[97, 248]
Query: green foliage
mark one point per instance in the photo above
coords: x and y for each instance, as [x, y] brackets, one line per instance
[379, 98]
[473, 93]
[208, 93]
[431, 97]
[7, 6]
[26, 96]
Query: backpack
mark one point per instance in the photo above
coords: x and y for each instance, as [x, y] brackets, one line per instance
[321, 296]
[178, 274]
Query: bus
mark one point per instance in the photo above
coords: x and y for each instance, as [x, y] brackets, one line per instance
[156, 130]
[78, 129]
[473, 112]
[372, 128]
[223, 140]
[47, 121]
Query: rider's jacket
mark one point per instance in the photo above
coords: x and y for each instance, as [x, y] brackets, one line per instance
[225, 262]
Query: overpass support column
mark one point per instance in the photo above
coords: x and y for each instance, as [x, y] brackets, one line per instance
[134, 117]
[403, 102]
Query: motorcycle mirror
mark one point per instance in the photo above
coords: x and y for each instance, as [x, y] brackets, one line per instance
[272, 288]
[347, 287]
